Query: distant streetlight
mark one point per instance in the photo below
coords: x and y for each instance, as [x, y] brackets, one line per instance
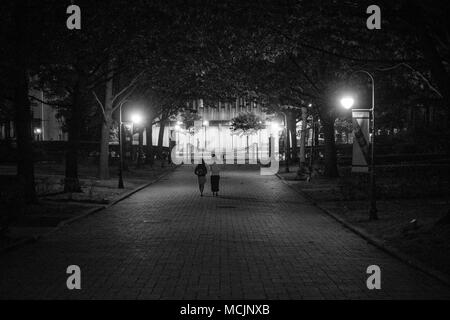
[275, 126]
[38, 132]
[347, 102]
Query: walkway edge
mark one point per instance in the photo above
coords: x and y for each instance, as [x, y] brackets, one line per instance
[405, 258]
[32, 239]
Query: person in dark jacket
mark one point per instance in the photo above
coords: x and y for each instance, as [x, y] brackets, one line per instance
[201, 172]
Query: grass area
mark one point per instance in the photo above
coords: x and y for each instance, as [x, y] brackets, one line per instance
[419, 227]
[19, 221]
[414, 226]
[50, 180]
[36, 219]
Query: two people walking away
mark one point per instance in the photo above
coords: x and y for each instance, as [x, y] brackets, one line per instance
[201, 171]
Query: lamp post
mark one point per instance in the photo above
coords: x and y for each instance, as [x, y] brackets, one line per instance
[347, 102]
[136, 118]
[121, 186]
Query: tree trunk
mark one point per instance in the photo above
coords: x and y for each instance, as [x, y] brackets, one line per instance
[287, 146]
[149, 154]
[22, 116]
[303, 139]
[106, 127]
[247, 153]
[162, 126]
[104, 146]
[315, 142]
[139, 161]
[71, 182]
[331, 170]
[292, 120]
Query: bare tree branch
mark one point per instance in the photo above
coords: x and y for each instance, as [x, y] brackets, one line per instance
[102, 107]
[417, 73]
[131, 84]
[49, 103]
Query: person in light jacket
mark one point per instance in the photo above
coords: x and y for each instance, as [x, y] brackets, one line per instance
[215, 177]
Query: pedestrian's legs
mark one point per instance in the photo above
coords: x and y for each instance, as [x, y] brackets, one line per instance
[215, 185]
[201, 184]
[202, 187]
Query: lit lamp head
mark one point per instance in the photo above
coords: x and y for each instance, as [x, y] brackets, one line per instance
[177, 127]
[206, 123]
[347, 102]
[37, 131]
[137, 119]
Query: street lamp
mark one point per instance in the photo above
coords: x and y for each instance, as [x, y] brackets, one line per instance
[136, 118]
[347, 102]
[121, 186]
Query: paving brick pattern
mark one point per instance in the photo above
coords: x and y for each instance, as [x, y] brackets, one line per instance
[258, 240]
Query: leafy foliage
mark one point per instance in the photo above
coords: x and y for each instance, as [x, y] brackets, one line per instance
[247, 123]
[189, 117]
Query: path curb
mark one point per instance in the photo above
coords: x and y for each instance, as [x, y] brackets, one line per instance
[405, 258]
[84, 214]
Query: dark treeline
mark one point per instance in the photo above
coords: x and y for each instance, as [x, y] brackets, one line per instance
[166, 53]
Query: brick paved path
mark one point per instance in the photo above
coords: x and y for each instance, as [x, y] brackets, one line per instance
[258, 240]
